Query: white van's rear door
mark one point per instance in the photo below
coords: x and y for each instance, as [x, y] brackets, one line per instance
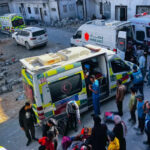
[121, 43]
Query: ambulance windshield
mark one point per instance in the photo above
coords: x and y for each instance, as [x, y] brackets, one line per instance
[18, 22]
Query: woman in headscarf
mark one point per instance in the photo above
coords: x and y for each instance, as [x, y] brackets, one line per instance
[120, 131]
[99, 134]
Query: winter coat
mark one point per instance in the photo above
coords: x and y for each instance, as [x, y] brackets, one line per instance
[48, 144]
[114, 145]
[99, 137]
[120, 93]
[26, 118]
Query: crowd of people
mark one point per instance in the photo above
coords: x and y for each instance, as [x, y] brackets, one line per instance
[99, 137]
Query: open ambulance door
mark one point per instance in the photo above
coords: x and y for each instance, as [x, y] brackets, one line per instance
[140, 34]
[122, 43]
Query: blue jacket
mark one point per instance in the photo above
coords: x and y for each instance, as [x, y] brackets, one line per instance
[140, 109]
[137, 77]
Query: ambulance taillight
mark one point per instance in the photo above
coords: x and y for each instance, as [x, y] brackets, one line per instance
[40, 113]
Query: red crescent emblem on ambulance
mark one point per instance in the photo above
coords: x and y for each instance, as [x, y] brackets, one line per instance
[86, 36]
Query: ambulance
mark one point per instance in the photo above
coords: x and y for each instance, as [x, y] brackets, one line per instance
[10, 23]
[141, 27]
[113, 35]
[52, 80]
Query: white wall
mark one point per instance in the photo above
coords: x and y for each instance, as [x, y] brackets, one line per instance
[131, 9]
[70, 12]
[53, 14]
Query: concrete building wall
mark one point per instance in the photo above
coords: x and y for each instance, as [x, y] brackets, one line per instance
[93, 7]
[131, 6]
[33, 10]
[67, 9]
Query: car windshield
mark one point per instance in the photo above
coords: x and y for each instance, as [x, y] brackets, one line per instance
[18, 22]
[38, 33]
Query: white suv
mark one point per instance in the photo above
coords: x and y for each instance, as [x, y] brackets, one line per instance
[31, 37]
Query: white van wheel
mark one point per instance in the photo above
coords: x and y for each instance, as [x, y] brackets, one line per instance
[27, 46]
[15, 41]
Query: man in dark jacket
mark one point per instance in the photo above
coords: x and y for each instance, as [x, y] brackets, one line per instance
[99, 134]
[26, 120]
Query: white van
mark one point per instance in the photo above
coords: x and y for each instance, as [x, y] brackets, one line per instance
[141, 28]
[113, 35]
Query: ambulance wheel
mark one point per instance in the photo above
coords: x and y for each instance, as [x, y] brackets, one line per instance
[27, 46]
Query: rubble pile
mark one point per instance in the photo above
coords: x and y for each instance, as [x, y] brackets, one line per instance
[69, 24]
[6, 83]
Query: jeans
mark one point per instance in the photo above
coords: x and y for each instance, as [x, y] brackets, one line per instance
[141, 123]
[30, 132]
[119, 106]
[139, 87]
[132, 113]
[143, 71]
[96, 105]
[72, 121]
[148, 136]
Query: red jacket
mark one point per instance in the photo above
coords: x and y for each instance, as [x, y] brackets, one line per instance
[48, 144]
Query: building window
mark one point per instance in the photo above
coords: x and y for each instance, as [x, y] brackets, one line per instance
[71, 7]
[36, 10]
[121, 13]
[29, 10]
[65, 8]
[53, 9]
[45, 12]
[64, 88]
[20, 10]
[44, 5]
[142, 9]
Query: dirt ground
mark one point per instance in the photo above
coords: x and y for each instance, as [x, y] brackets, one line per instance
[9, 106]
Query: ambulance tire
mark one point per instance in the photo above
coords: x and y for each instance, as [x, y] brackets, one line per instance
[27, 46]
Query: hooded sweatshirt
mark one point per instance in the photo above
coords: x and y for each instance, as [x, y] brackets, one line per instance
[114, 145]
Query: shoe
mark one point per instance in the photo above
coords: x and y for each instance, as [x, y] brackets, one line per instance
[139, 133]
[137, 129]
[129, 120]
[28, 143]
[35, 139]
[133, 122]
[146, 143]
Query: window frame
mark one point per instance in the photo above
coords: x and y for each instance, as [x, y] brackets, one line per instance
[140, 35]
[116, 72]
[65, 8]
[29, 10]
[54, 99]
[36, 10]
[148, 34]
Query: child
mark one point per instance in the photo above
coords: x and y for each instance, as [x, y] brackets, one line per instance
[141, 114]
[132, 105]
[47, 141]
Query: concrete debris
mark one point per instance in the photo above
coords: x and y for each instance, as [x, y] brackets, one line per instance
[67, 22]
[5, 88]
[8, 62]
[20, 97]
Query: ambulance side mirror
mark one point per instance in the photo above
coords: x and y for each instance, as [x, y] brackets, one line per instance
[74, 36]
